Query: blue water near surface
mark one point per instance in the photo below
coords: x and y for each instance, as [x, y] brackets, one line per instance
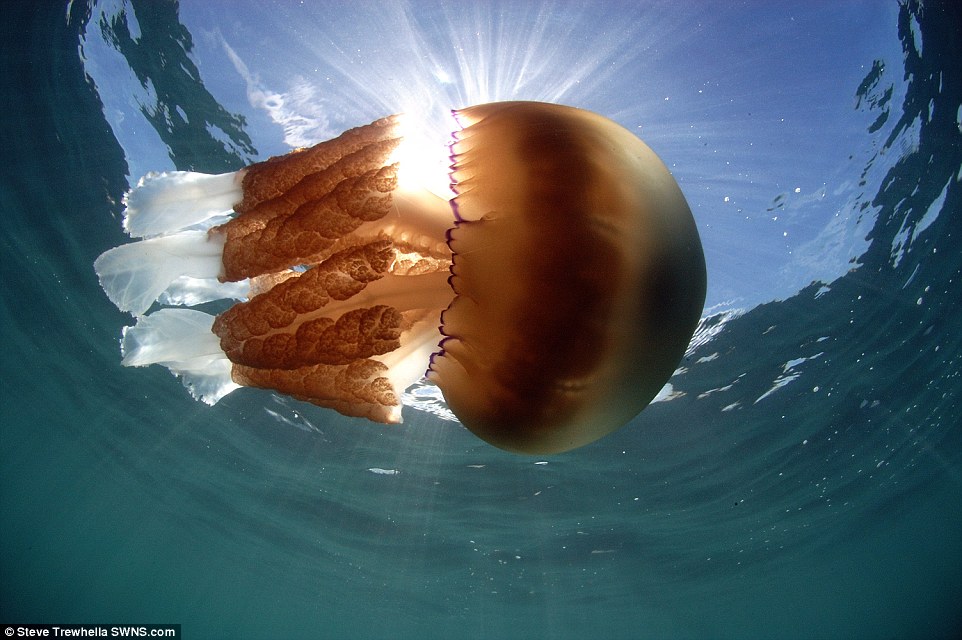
[804, 481]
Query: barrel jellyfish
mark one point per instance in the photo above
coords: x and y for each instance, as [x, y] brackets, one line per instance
[549, 296]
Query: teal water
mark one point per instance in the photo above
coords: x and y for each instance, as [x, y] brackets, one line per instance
[807, 484]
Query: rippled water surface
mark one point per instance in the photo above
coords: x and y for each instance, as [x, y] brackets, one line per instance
[802, 477]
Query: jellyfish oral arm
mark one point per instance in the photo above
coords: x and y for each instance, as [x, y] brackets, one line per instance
[166, 202]
[346, 271]
[181, 340]
[135, 275]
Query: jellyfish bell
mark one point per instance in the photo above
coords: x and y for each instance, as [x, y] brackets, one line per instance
[578, 272]
[550, 298]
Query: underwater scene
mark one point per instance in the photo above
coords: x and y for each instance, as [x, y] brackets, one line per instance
[797, 473]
